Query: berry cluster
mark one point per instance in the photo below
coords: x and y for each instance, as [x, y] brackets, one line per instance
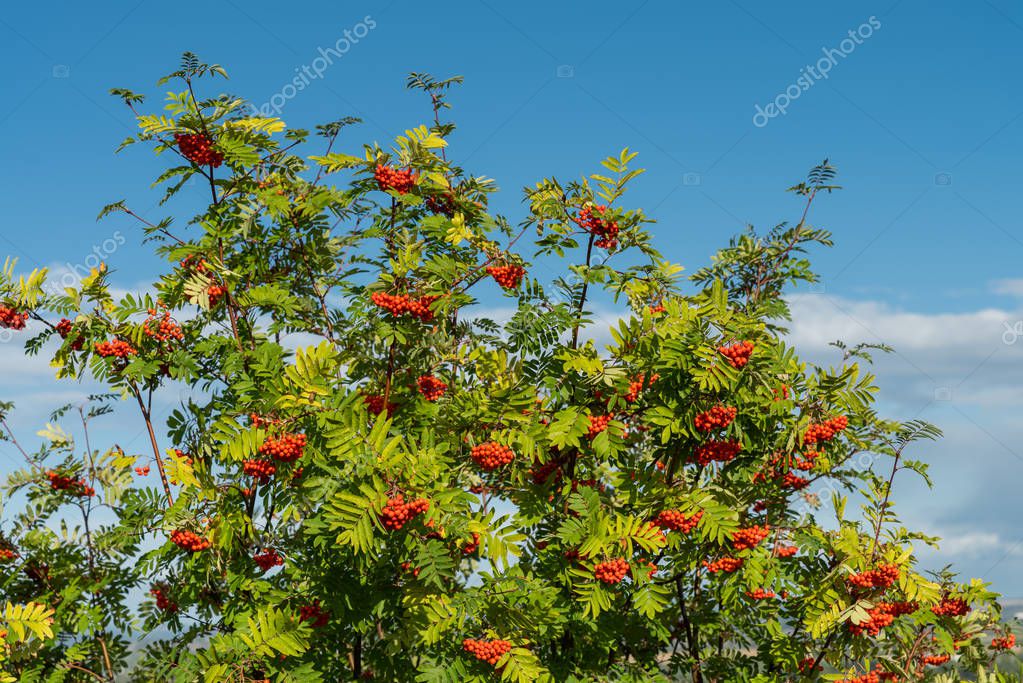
[189, 541]
[750, 537]
[161, 328]
[431, 388]
[472, 546]
[78, 487]
[760, 594]
[717, 451]
[142, 471]
[737, 354]
[399, 180]
[541, 473]
[636, 386]
[659, 308]
[441, 205]
[11, 319]
[64, 328]
[489, 651]
[882, 577]
[509, 277]
[315, 614]
[491, 455]
[402, 304]
[718, 417]
[259, 469]
[375, 404]
[935, 660]
[1006, 643]
[881, 615]
[785, 550]
[794, 482]
[286, 448]
[825, 431]
[198, 148]
[612, 571]
[673, 520]
[268, 559]
[117, 348]
[951, 607]
[7, 554]
[598, 423]
[397, 513]
[163, 603]
[876, 676]
[215, 293]
[725, 564]
[591, 218]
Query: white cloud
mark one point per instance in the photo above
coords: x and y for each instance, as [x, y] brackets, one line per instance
[1013, 287]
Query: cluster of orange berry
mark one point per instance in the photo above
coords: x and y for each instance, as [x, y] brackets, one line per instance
[935, 660]
[431, 388]
[268, 559]
[1005, 643]
[59, 482]
[540, 473]
[190, 541]
[760, 594]
[443, 205]
[7, 554]
[951, 607]
[737, 354]
[598, 423]
[491, 455]
[717, 451]
[509, 277]
[725, 564]
[612, 571]
[163, 603]
[592, 219]
[260, 469]
[636, 386]
[161, 329]
[215, 293]
[785, 550]
[403, 304]
[397, 513]
[286, 448]
[876, 676]
[825, 431]
[64, 328]
[489, 651]
[881, 615]
[198, 148]
[673, 520]
[718, 417]
[390, 178]
[750, 537]
[882, 577]
[472, 546]
[11, 319]
[142, 471]
[117, 348]
[315, 614]
[375, 404]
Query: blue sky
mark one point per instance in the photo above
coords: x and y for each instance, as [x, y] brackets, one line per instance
[921, 118]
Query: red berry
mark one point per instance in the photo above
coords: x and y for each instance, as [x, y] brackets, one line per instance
[286, 448]
[738, 354]
[117, 348]
[509, 277]
[725, 564]
[198, 148]
[315, 614]
[717, 451]
[673, 520]
[259, 469]
[491, 455]
[431, 388]
[390, 178]
[397, 513]
[375, 404]
[190, 541]
[592, 219]
[12, 320]
[718, 417]
[268, 559]
[598, 423]
[163, 603]
[402, 304]
[882, 577]
[750, 537]
[636, 386]
[951, 607]
[489, 651]
[612, 571]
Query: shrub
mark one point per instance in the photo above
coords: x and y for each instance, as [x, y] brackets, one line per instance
[371, 479]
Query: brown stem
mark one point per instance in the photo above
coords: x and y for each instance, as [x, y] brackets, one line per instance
[156, 449]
